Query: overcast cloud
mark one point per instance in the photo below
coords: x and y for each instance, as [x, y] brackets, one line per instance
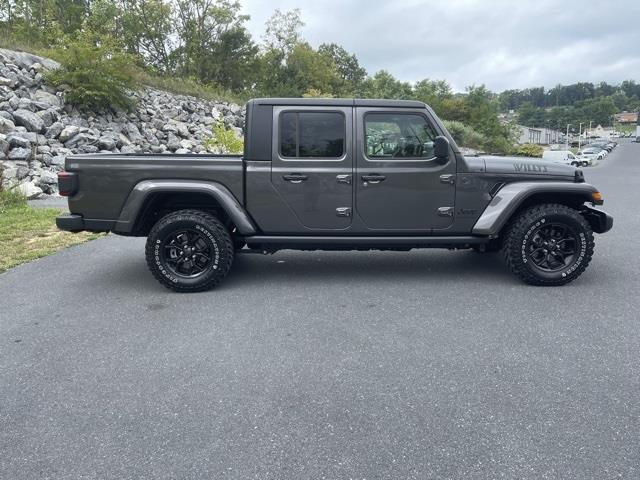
[503, 44]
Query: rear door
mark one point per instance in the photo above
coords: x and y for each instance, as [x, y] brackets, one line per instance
[312, 165]
[400, 184]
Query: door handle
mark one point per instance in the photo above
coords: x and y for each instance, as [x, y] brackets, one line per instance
[374, 178]
[295, 178]
[448, 178]
[344, 179]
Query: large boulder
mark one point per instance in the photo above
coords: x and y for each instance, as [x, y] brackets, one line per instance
[68, 133]
[47, 182]
[54, 130]
[132, 132]
[29, 190]
[81, 139]
[17, 140]
[20, 154]
[27, 60]
[46, 98]
[107, 142]
[29, 120]
[6, 125]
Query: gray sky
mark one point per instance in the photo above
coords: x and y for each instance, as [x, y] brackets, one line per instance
[503, 44]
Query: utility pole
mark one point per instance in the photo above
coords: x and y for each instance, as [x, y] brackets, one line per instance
[580, 136]
[566, 138]
[613, 124]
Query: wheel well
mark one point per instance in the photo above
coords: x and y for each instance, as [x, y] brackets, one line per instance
[572, 200]
[159, 204]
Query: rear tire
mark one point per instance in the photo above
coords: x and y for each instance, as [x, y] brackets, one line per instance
[189, 251]
[549, 245]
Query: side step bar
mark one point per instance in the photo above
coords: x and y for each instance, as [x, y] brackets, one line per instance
[319, 242]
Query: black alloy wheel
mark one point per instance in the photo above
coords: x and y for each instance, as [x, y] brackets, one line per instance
[187, 253]
[553, 247]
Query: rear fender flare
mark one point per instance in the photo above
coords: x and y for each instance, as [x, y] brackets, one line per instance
[141, 192]
[509, 198]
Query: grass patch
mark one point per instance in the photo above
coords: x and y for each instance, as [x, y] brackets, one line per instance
[28, 233]
[12, 42]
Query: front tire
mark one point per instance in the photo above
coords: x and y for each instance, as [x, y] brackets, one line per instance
[189, 251]
[548, 245]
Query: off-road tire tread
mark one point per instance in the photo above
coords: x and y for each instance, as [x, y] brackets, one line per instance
[222, 235]
[511, 249]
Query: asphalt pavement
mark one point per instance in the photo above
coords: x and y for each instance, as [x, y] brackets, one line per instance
[426, 364]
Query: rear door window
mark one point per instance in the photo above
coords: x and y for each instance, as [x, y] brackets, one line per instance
[312, 134]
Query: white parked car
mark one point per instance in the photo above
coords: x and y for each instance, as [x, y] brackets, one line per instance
[594, 154]
[564, 156]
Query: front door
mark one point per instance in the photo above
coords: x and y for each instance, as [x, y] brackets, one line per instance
[400, 184]
[312, 165]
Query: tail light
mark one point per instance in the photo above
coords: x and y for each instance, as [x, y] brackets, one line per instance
[67, 183]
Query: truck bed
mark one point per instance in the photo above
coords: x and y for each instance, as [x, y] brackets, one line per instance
[109, 178]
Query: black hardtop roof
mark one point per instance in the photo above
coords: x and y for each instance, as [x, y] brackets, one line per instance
[338, 102]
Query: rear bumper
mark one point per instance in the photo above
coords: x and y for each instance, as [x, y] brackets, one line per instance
[600, 221]
[70, 222]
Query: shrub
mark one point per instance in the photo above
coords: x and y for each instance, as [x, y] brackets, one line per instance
[529, 150]
[464, 135]
[98, 75]
[223, 139]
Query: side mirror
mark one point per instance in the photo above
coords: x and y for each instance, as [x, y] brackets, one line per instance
[441, 147]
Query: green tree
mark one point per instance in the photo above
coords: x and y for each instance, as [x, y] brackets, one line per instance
[282, 36]
[306, 69]
[482, 108]
[433, 93]
[214, 44]
[282, 31]
[349, 71]
[385, 85]
[146, 31]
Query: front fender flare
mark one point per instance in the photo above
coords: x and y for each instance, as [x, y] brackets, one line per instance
[220, 193]
[511, 196]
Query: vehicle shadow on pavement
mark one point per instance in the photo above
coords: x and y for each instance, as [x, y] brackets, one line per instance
[424, 266]
[287, 269]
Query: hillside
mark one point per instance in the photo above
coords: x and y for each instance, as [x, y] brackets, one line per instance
[38, 130]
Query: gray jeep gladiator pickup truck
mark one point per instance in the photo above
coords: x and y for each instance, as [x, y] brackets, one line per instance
[336, 174]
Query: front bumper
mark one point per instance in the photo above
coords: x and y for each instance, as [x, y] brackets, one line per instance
[600, 221]
[70, 222]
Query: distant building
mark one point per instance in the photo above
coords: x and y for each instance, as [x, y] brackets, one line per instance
[629, 118]
[538, 136]
[599, 132]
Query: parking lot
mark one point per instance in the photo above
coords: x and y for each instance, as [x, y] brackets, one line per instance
[427, 364]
